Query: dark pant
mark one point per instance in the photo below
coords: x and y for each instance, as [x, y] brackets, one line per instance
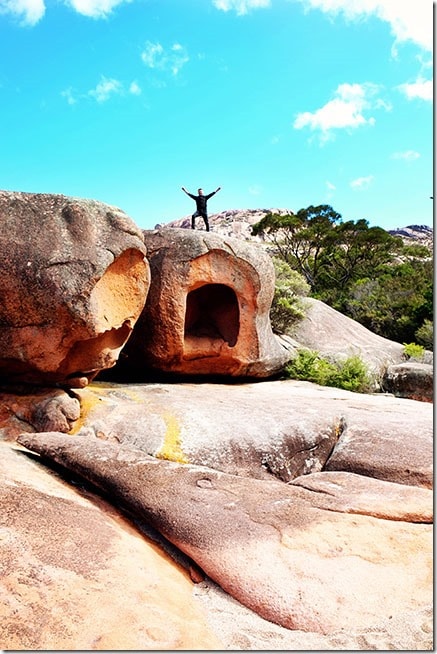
[195, 215]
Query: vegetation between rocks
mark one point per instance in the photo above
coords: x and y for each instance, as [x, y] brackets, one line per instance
[350, 374]
[414, 351]
[288, 305]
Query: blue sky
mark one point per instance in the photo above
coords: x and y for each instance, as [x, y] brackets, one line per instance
[282, 103]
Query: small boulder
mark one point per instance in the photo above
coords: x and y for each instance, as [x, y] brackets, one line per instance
[37, 409]
[410, 379]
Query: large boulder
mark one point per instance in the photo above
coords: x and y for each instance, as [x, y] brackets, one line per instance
[73, 281]
[337, 336]
[207, 312]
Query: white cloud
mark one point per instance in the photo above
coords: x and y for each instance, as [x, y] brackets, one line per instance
[330, 186]
[94, 8]
[241, 7]
[102, 92]
[408, 20]
[172, 59]
[346, 110]
[421, 88]
[68, 95]
[151, 54]
[30, 11]
[407, 155]
[361, 183]
[134, 88]
[105, 88]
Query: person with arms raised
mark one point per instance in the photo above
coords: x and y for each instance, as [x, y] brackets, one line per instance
[201, 205]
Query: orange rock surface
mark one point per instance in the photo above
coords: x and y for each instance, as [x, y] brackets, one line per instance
[207, 311]
[73, 281]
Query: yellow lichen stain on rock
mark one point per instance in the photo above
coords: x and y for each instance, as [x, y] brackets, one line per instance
[88, 401]
[101, 392]
[119, 391]
[339, 427]
[171, 449]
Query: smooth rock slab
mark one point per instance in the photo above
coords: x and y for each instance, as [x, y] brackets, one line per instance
[273, 546]
[230, 428]
[76, 574]
[280, 428]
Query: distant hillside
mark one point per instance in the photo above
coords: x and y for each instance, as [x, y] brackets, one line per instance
[237, 223]
[421, 234]
[233, 222]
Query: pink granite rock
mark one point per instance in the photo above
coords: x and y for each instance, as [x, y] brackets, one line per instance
[207, 311]
[310, 558]
[76, 575]
[73, 281]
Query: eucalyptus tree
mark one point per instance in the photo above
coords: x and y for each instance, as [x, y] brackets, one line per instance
[328, 252]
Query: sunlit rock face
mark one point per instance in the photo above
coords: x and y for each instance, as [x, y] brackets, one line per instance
[78, 576]
[73, 281]
[207, 311]
[328, 552]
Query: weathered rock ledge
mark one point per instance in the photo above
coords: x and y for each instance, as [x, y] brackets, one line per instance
[304, 497]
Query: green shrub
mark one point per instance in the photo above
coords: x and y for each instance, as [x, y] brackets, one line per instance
[425, 334]
[351, 374]
[413, 351]
[288, 305]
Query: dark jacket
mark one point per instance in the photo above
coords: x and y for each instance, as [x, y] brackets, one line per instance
[201, 201]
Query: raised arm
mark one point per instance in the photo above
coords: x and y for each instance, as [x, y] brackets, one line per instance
[190, 195]
[213, 193]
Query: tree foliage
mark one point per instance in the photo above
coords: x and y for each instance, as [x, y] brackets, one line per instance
[288, 305]
[300, 239]
[425, 334]
[394, 304]
[362, 271]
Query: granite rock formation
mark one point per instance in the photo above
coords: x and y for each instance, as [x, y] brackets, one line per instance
[207, 312]
[73, 281]
[77, 575]
[320, 557]
[412, 379]
[265, 514]
[335, 335]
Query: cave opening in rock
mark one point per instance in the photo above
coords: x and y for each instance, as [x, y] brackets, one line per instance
[212, 311]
